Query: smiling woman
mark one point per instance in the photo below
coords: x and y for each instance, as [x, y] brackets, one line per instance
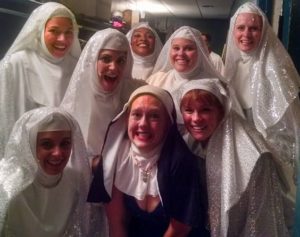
[184, 57]
[44, 177]
[100, 85]
[59, 36]
[150, 176]
[145, 46]
[37, 67]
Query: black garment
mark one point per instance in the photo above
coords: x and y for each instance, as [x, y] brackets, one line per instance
[143, 223]
[178, 182]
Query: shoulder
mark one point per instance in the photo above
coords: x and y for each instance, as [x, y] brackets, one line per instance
[156, 76]
[129, 86]
[19, 59]
[176, 153]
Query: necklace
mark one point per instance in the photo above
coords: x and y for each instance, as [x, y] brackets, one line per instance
[145, 172]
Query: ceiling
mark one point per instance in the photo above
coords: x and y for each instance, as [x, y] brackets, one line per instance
[211, 9]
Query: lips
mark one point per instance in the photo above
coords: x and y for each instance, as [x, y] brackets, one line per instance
[199, 128]
[141, 135]
[55, 162]
[60, 47]
[110, 77]
[143, 45]
[181, 61]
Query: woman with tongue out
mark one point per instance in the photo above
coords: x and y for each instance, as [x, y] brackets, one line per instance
[37, 67]
[100, 86]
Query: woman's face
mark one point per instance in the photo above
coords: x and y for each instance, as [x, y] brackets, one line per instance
[110, 68]
[200, 119]
[183, 54]
[148, 122]
[247, 31]
[53, 150]
[58, 36]
[143, 42]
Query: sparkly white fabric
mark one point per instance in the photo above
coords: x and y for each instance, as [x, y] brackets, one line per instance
[166, 77]
[273, 86]
[33, 205]
[30, 76]
[117, 145]
[86, 100]
[143, 66]
[245, 193]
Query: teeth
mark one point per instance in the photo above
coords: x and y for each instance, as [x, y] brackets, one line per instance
[55, 162]
[110, 77]
[181, 61]
[60, 46]
[143, 45]
[199, 128]
[143, 134]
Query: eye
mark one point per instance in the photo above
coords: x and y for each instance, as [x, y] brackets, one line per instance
[54, 31]
[136, 35]
[46, 144]
[254, 29]
[154, 116]
[69, 33]
[190, 48]
[187, 110]
[150, 36]
[121, 60]
[175, 48]
[135, 115]
[67, 143]
[240, 27]
[105, 58]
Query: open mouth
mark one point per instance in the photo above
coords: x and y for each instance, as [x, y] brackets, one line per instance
[110, 78]
[60, 47]
[55, 162]
[143, 45]
[143, 135]
[199, 128]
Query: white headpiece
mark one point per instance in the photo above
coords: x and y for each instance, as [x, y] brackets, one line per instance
[32, 32]
[159, 93]
[19, 168]
[86, 100]
[203, 67]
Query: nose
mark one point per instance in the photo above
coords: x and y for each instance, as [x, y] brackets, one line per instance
[143, 37]
[61, 37]
[246, 32]
[112, 65]
[180, 52]
[143, 121]
[196, 117]
[56, 152]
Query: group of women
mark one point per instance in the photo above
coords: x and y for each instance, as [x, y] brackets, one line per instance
[132, 138]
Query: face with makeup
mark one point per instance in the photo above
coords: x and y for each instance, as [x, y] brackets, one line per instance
[202, 113]
[183, 54]
[58, 36]
[53, 149]
[247, 31]
[143, 41]
[110, 68]
[148, 122]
